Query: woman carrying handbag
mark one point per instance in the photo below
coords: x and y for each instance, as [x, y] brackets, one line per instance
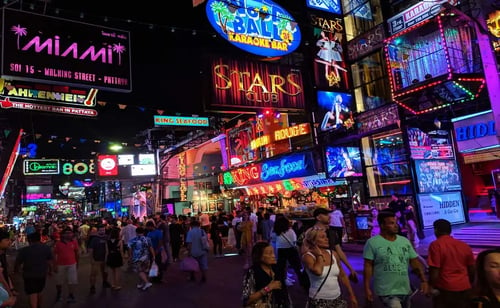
[322, 266]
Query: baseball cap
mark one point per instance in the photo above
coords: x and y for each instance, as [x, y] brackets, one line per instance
[321, 210]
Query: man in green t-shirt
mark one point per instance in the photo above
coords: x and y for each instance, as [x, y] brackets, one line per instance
[387, 257]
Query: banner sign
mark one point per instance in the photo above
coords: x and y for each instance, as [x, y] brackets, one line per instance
[417, 13]
[437, 175]
[287, 167]
[160, 120]
[476, 131]
[441, 205]
[377, 118]
[330, 68]
[50, 93]
[6, 103]
[261, 27]
[255, 85]
[41, 166]
[365, 43]
[45, 49]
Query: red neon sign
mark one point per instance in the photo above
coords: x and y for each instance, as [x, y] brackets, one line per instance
[246, 175]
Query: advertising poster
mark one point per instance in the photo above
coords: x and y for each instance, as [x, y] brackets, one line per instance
[334, 111]
[328, 35]
[330, 6]
[435, 144]
[437, 175]
[239, 144]
[435, 206]
[342, 162]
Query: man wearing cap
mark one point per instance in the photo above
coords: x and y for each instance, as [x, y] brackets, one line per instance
[322, 216]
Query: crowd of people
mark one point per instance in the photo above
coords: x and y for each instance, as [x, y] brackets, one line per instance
[276, 252]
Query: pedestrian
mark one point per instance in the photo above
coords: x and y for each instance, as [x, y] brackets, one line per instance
[5, 278]
[156, 237]
[387, 257]
[196, 250]
[261, 288]
[398, 206]
[486, 290]
[127, 233]
[36, 262]
[451, 268]
[114, 257]
[162, 224]
[66, 257]
[141, 252]
[337, 222]
[322, 217]
[412, 235]
[176, 236]
[322, 265]
[83, 234]
[267, 227]
[6, 299]
[286, 246]
[216, 237]
[97, 251]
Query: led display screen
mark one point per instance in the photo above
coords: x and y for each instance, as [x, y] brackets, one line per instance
[343, 162]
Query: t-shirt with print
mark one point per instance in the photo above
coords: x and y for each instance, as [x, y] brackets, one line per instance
[390, 264]
[140, 248]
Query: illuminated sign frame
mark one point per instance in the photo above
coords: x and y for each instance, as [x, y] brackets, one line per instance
[41, 167]
[261, 27]
[47, 49]
[160, 120]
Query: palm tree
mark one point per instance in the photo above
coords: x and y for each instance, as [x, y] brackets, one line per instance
[19, 31]
[119, 49]
[223, 14]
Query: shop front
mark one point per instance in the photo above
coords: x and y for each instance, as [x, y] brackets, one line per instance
[479, 154]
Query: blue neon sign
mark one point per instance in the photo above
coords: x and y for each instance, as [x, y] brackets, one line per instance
[291, 166]
[261, 27]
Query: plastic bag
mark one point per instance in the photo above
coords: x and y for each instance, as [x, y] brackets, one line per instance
[153, 271]
[189, 264]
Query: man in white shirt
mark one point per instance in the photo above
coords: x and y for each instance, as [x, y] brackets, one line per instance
[337, 222]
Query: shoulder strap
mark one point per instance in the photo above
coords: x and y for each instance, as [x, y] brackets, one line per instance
[286, 239]
[327, 274]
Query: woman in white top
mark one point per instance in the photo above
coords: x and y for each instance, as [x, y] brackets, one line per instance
[324, 272]
[288, 253]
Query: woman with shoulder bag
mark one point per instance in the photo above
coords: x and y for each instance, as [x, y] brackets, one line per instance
[260, 288]
[324, 271]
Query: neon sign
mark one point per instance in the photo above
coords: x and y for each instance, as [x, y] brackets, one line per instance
[180, 121]
[292, 131]
[287, 167]
[41, 166]
[256, 26]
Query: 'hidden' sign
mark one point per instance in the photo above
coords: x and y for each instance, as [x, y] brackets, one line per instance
[260, 27]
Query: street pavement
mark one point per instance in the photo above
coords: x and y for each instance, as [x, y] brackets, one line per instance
[222, 289]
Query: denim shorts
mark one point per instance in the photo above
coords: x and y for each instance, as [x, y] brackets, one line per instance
[395, 301]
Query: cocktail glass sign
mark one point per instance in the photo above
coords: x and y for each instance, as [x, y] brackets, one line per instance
[260, 27]
[52, 50]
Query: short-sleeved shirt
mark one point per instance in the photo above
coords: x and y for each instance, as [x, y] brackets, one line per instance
[336, 218]
[452, 257]
[194, 238]
[34, 260]
[390, 264]
[66, 252]
[140, 248]
[156, 237]
[98, 246]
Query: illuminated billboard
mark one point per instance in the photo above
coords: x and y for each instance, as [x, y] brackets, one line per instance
[46, 49]
[261, 27]
[255, 85]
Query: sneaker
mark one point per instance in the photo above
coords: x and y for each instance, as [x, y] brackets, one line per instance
[71, 299]
[116, 288]
[92, 290]
[140, 285]
[147, 286]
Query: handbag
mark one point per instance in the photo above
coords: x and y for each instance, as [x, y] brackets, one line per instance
[153, 271]
[189, 264]
[204, 241]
